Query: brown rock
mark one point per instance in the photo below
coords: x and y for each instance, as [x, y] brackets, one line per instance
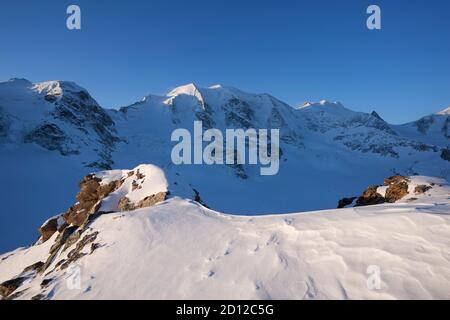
[49, 229]
[370, 197]
[89, 199]
[395, 179]
[126, 205]
[396, 191]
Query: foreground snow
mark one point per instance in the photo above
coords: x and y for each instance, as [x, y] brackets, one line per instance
[181, 250]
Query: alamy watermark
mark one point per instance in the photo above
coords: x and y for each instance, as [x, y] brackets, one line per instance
[374, 20]
[73, 22]
[232, 151]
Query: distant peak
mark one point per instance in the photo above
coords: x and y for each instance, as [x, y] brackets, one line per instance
[190, 89]
[376, 115]
[57, 87]
[444, 112]
[324, 102]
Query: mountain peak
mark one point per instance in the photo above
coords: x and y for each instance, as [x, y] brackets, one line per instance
[190, 89]
[444, 112]
[321, 103]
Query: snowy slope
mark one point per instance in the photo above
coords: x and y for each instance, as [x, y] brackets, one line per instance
[434, 128]
[179, 249]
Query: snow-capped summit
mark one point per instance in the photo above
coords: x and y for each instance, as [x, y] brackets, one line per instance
[444, 112]
[59, 116]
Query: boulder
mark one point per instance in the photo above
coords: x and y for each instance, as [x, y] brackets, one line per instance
[396, 191]
[48, 229]
[370, 197]
[445, 154]
[345, 202]
[420, 189]
[8, 287]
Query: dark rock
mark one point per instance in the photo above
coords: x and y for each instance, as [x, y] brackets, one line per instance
[46, 282]
[76, 253]
[422, 189]
[345, 202]
[8, 287]
[39, 296]
[445, 154]
[51, 137]
[34, 267]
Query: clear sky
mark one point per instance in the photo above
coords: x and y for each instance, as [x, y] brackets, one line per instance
[295, 50]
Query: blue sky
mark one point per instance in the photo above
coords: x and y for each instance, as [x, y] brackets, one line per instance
[296, 50]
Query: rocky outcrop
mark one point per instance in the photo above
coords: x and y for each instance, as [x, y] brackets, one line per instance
[92, 192]
[420, 189]
[370, 197]
[48, 229]
[8, 287]
[397, 188]
[396, 192]
[126, 205]
[344, 202]
[51, 137]
[445, 154]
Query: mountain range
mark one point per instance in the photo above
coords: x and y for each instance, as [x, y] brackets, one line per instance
[54, 133]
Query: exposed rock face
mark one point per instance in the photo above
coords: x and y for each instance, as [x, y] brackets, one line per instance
[422, 189]
[49, 229]
[370, 197]
[396, 192]
[89, 199]
[345, 202]
[445, 154]
[4, 124]
[77, 253]
[394, 180]
[398, 188]
[126, 205]
[51, 137]
[8, 287]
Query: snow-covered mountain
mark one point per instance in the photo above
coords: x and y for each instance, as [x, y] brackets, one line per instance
[132, 227]
[53, 133]
[432, 129]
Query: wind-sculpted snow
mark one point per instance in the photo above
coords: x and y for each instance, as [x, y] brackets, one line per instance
[179, 249]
